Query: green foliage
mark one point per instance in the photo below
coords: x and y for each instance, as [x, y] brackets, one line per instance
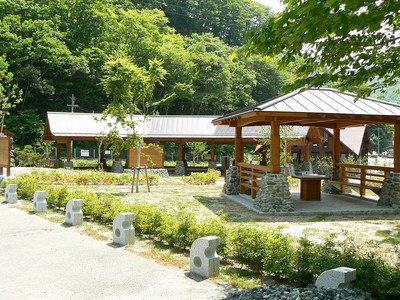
[197, 149]
[27, 156]
[153, 179]
[27, 185]
[202, 178]
[261, 250]
[10, 95]
[58, 196]
[346, 50]
[26, 125]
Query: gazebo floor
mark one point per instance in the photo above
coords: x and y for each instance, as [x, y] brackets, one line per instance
[330, 204]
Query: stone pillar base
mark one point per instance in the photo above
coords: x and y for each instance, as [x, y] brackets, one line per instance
[334, 174]
[212, 164]
[390, 194]
[117, 167]
[69, 164]
[274, 194]
[232, 181]
[180, 168]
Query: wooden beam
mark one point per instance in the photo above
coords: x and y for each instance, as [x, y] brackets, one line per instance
[396, 147]
[275, 148]
[239, 157]
[336, 147]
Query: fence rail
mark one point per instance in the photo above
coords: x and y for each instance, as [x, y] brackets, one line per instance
[363, 177]
[251, 176]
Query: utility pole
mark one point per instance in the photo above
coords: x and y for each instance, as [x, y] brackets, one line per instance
[73, 105]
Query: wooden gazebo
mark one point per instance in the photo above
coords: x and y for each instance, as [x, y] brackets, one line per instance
[323, 107]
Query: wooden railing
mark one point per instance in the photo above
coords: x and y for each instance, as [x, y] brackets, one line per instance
[50, 163]
[250, 177]
[362, 177]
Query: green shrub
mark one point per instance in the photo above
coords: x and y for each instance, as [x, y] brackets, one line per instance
[247, 246]
[58, 196]
[27, 186]
[147, 218]
[153, 179]
[215, 226]
[202, 178]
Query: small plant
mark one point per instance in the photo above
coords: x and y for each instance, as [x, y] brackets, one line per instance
[202, 178]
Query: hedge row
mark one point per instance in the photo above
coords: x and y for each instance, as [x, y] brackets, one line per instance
[264, 250]
[85, 178]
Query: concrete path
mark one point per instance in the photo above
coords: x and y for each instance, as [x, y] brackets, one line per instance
[43, 260]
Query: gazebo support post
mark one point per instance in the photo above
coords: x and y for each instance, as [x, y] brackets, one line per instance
[396, 148]
[180, 168]
[275, 148]
[307, 151]
[212, 164]
[334, 172]
[336, 147]
[238, 146]
[69, 163]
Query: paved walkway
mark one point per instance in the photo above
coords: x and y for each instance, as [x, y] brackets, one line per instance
[43, 260]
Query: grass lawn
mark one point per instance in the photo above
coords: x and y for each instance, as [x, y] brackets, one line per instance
[380, 231]
[172, 194]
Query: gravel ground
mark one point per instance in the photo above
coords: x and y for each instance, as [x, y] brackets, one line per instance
[288, 293]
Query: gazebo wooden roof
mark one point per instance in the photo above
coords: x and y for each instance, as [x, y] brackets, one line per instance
[323, 107]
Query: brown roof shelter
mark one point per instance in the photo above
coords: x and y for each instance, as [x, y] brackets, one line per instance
[323, 107]
[63, 127]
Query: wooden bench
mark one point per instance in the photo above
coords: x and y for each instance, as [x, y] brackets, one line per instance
[361, 187]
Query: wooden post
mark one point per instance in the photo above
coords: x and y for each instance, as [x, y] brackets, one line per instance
[212, 151]
[181, 151]
[396, 148]
[58, 150]
[336, 147]
[238, 146]
[69, 151]
[307, 151]
[275, 148]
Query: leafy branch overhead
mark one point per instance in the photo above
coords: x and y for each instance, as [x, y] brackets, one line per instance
[349, 43]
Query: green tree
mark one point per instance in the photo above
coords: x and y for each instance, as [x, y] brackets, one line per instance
[197, 149]
[344, 42]
[10, 95]
[131, 88]
[26, 125]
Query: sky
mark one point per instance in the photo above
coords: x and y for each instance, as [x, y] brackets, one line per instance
[276, 5]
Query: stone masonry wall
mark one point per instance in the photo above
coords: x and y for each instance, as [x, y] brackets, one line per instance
[334, 174]
[390, 194]
[274, 194]
[232, 181]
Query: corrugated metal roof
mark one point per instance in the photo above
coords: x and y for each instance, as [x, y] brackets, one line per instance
[320, 101]
[62, 124]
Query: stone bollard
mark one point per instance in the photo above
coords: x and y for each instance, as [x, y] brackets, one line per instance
[338, 278]
[73, 212]
[10, 194]
[39, 201]
[123, 231]
[204, 260]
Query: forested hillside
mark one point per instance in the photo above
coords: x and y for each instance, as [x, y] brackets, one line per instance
[56, 48]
